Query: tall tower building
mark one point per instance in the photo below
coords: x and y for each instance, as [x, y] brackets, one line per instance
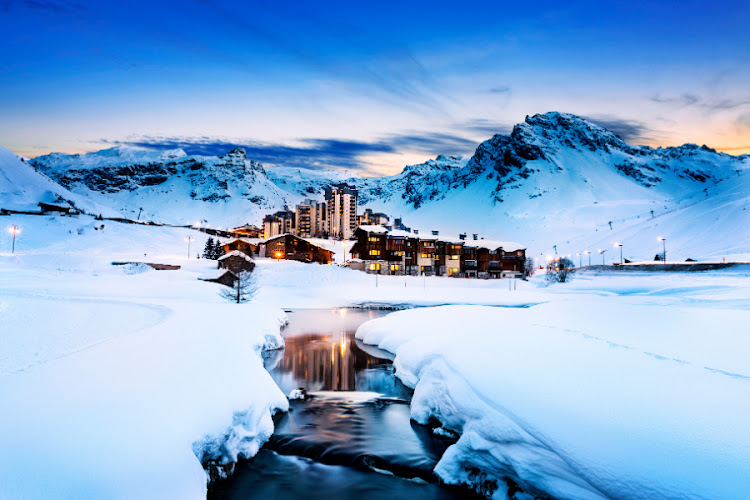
[341, 203]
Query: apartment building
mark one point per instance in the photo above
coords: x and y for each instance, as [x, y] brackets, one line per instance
[341, 208]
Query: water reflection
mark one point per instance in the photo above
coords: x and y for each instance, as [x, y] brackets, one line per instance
[354, 438]
[321, 354]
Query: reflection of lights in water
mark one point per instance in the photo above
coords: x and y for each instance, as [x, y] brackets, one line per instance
[343, 347]
[342, 312]
[332, 351]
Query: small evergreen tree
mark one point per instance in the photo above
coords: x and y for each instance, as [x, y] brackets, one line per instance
[244, 290]
[218, 250]
[209, 250]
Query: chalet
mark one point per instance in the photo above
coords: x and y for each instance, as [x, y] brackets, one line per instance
[382, 251]
[226, 278]
[244, 245]
[291, 247]
[248, 231]
[237, 262]
[385, 252]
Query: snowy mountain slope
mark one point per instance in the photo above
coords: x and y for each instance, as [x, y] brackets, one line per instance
[23, 188]
[170, 186]
[557, 182]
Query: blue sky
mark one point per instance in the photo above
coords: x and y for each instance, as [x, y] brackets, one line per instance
[366, 86]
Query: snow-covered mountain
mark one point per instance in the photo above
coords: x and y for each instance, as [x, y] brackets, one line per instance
[23, 188]
[556, 181]
[170, 186]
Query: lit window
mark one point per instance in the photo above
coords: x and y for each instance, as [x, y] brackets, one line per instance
[374, 252]
[394, 267]
[455, 257]
[374, 267]
[372, 238]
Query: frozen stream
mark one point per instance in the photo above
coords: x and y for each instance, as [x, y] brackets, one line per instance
[353, 437]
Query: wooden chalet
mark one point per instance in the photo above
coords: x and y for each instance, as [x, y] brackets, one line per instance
[291, 247]
[237, 262]
[385, 252]
[247, 231]
[244, 245]
[382, 251]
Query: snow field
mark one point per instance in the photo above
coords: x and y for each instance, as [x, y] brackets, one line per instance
[114, 383]
[601, 397]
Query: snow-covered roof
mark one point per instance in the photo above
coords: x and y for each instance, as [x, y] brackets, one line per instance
[508, 246]
[397, 233]
[373, 229]
[250, 241]
[238, 254]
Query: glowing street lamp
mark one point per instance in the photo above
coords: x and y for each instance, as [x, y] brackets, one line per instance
[619, 245]
[189, 239]
[14, 230]
[664, 254]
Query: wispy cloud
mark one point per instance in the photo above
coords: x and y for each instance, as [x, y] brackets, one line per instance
[485, 127]
[630, 131]
[313, 153]
[502, 89]
[710, 105]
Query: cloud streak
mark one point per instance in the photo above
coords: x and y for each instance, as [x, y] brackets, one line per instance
[630, 131]
[312, 153]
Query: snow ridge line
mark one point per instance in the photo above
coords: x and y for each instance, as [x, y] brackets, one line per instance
[477, 458]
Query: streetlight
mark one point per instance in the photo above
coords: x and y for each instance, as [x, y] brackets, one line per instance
[619, 245]
[580, 260]
[589, 254]
[602, 254]
[14, 230]
[189, 239]
[664, 242]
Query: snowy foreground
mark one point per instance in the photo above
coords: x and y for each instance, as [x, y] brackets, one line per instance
[117, 380]
[621, 387]
[114, 379]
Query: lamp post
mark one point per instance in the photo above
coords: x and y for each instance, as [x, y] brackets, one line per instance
[664, 243]
[589, 254]
[580, 260]
[189, 239]
[14, 230]
[619, 245]
[602, 254]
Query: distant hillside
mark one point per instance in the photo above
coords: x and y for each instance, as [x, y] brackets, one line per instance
[556, 181]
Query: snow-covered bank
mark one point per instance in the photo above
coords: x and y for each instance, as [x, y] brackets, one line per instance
[606, 393]
[115, 382]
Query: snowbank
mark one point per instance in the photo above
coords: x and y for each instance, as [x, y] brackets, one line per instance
[116, 384]
[598, 398]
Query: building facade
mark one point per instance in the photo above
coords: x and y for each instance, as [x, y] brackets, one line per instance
[383, 251]
[341, 207]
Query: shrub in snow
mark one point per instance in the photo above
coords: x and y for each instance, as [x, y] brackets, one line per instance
[244, 290]
[529, 267]
[562, 272]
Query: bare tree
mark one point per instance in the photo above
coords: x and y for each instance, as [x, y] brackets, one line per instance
[529, 267]
[561, 271]
[244, 290]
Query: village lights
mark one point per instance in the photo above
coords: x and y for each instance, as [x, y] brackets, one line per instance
[14, 230]
[278, 255]
[664, 254]
[619, 245]
[189, 239]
